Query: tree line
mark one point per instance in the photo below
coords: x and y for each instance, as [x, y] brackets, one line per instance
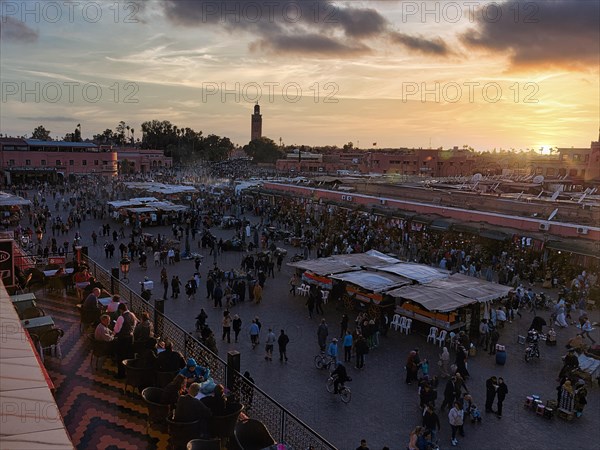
[183, 144]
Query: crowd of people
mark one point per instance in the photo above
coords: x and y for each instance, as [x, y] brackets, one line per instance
[324, 230]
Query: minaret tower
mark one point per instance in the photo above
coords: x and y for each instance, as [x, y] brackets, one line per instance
[256, 123]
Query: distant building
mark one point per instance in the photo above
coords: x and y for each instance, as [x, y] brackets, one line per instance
[256, 124]
[575, 164]
[425, 162]
[136, 160]
[25, 160]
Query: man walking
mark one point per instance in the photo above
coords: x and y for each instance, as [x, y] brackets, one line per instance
[282, 343]
[322, 333]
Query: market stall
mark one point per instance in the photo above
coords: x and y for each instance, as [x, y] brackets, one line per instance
[447, 303]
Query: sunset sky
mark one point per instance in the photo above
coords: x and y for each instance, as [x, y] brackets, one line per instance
[507, 74]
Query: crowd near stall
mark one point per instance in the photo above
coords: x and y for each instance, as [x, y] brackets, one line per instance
[458, 288]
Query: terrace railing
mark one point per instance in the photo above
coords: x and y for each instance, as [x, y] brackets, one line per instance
[282, 424]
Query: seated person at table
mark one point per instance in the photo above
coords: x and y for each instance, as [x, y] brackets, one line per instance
[189, 408]
[103, 333]
[147, 355]
[81, 280]
[195, 373]
[113, 307]
[169, 360]
[217, 403]
[173, 390]
[91, 286]
[91, 301]
[144, 330]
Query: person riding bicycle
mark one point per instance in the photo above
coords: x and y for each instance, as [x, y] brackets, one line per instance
[340, 376]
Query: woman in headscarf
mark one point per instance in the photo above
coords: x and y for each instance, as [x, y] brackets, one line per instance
[561, 319]
[445, 360]
[411, 368]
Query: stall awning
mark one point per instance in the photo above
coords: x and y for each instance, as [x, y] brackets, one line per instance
[586, 248]
[440, 225]
[431, 298]
[482, 291]
[451, 293]
[422, 219]
[344, 263]
[472, 228]
[372, 281]
[494, 234]
[416, 272]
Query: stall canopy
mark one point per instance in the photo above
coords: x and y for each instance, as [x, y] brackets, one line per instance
[451, 293]
[416, 272]
[344, 263]
[432, 298]
[141, 210]
[166, 206]
[160, 188]
[372, 281]
[7, 199]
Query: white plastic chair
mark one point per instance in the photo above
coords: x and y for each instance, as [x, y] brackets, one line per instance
[442, 338]
[396, 320]
[432, 334]
[406, 326]
[304, 289]
[325, 296]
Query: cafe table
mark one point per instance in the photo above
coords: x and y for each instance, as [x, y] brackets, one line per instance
[38, 325]
[105, 301]
[23, 301]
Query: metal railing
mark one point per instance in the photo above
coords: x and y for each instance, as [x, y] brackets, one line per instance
[282, 424]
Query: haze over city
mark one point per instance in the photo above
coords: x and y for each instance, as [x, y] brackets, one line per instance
[509, 74]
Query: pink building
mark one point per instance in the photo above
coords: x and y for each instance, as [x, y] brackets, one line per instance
[22, 160]
[142, 160]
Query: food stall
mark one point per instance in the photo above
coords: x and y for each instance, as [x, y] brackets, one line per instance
[450, 303]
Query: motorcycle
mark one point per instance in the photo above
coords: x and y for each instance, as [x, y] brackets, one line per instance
[532, 350]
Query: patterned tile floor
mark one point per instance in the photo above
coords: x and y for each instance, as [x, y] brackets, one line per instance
[96, 412]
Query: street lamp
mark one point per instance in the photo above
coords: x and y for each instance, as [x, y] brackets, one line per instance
[124, 264]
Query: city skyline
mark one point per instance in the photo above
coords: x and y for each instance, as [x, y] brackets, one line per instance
[509, 74]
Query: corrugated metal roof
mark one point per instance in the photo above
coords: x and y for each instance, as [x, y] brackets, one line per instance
[60, 143]
[372, 281]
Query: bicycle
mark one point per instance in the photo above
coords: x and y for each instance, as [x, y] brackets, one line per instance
[343, 390]
[323, 361]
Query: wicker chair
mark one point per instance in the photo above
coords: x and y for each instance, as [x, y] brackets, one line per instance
[223, 427]
[137, 377]
[100, 350]
[50, 340]
[157, 411]
[252, 434]
[32, 312]
[180, 433]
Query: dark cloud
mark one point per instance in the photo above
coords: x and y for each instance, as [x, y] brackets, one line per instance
[359, 23]
[420, 44]
[308, 44]
[311, 27]
[560, 33]
[49, 119]
[13, 30]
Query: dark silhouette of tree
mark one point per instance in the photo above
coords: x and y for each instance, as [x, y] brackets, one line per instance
[263, 150]
[41, 133]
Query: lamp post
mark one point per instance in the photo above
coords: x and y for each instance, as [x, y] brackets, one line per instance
[124, 265]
